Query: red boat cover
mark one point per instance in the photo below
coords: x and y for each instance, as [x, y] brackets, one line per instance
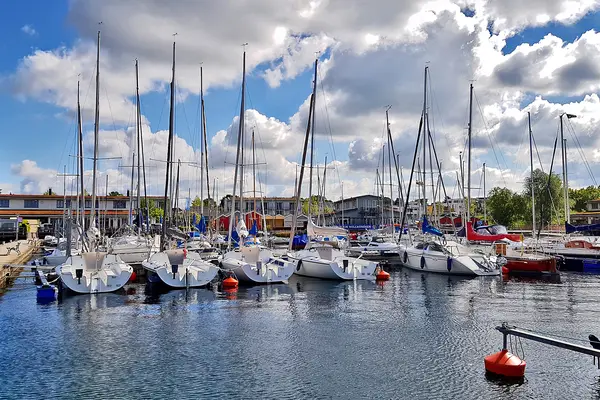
[472, 235]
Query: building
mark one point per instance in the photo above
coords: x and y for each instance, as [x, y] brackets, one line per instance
[591, 215]
[272, 205]
[112, 211]
[365, 212]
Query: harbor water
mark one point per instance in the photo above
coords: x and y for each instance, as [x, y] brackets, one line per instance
[417, 336]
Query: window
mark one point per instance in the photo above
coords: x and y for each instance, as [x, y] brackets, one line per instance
[60, 203]
[594, 206]
[122, 204]
[4, 203]
[88, 204]
[32, 204]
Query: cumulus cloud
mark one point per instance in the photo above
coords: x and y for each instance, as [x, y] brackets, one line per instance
[28, 30]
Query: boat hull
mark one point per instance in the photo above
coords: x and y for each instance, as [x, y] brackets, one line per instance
[308, 263]
[179, 269]
[443, 264]
[257, 266]
[94, 272]
[530, 265]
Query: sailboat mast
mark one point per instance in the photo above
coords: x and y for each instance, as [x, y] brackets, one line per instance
[470, 132]
[80, 209]
[131, 190]
[201, 146]
[424, 176]
[531, 175]
[141, 149]
[96, 129]
[166, 205]
[312, 143]
[139, 139]
[304, 150]
[485, 199]
[237, 156]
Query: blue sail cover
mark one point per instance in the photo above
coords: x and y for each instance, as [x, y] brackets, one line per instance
[581, 228]
[430, 229]
[202, 224]
[254, 230]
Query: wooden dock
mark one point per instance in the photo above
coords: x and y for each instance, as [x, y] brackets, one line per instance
[12, 257]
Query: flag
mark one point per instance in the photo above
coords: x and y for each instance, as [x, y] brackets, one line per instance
[202, 224]
[254, 229]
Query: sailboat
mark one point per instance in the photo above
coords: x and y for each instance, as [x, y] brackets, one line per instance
[129, 243]
[250, 262]
[320, 258]
[176, 268]
[93, 271]
[432, 252]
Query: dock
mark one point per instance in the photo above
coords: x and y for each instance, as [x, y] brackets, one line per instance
[12, 257]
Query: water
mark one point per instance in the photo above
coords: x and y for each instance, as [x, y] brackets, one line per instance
[419, 336]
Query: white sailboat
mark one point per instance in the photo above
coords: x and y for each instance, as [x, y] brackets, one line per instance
[93, 271]
[176, 268]
[251, 263]
[431, 252]
[321, 258]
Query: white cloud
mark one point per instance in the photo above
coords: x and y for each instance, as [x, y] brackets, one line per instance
[28, 30]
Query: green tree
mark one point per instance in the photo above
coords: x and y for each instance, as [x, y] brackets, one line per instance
[579, 197]
[115, 193]
[48, 192]
[500, 205]
[155, 212]
[196, 202]
[548, 198]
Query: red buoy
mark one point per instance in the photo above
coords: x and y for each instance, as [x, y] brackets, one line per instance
[505, 271]
[382, 276]
[229, 283]
[506, 364]
[133, 277]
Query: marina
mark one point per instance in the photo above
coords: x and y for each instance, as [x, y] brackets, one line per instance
[390, 339]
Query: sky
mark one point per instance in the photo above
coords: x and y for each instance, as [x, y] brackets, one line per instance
[543, 60]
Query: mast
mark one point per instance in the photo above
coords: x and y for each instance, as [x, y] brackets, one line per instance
[306, 139]
[382, 185]
[237, 157]
[131, 190]
[96, 129]
[396, 159]
[141, 148]
[139, 140]
[425, 117]
[175, 217]
[81, 215]
[469, 154]
[201, 146]
[568, 207]
[485, 198]
[531, 175]
[166, 205]
[312, 143]
[253, 176]
[391, 187]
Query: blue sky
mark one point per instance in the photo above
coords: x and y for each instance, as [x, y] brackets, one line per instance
[40, 130]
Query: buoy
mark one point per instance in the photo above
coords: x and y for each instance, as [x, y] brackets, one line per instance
[382, 275]
[505, 271]
[133, 277]
[229, 283]
[505, 364]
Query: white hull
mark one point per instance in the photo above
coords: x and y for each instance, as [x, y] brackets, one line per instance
[180, 269]
[338, 266]
[257, 265]
[439, 263]
[99, 273]
[132, 249]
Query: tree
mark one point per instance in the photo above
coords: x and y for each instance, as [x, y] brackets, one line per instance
[500, 205]
[48, 192]
[579, 197]
[155, 212]
[115, 193]
[548, 198]
[196, 202]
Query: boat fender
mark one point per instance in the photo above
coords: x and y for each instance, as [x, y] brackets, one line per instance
[422, 262]
[299, 265]
[174, 269]
[184, 253]
[405, 257]
[345, 262]
[449, 263]
[79, 275]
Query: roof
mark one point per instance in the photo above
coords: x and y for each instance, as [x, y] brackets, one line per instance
[60, 196]
[358, 197]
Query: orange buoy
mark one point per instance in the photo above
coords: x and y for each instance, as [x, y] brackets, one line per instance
[382, 275]
[506, 364]
[505, 271]
[229, 283]
[133, 277]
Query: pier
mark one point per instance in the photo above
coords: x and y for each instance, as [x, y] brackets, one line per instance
[12, 256]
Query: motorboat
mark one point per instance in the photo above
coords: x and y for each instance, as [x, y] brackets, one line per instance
[94, 272]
